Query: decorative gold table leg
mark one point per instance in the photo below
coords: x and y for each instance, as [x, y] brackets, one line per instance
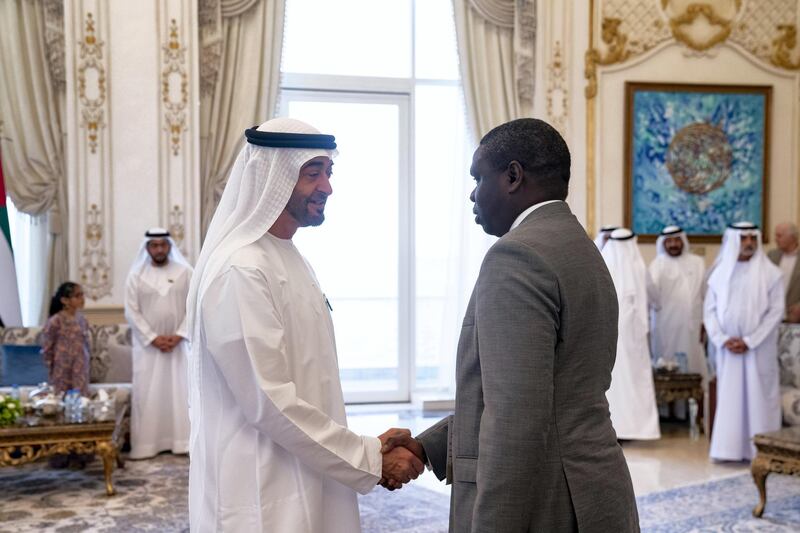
[109, 454]
[760, 471]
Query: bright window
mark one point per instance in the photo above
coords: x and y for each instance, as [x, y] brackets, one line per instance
[399, 251]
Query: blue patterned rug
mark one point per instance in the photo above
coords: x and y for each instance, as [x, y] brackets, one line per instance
[722, 505]
[151, 496]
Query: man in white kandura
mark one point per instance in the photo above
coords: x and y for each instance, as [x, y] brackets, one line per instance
[602, 236]
[678, 277]
[743, 308]
[631, 397]
[270, 448]
[155, 306]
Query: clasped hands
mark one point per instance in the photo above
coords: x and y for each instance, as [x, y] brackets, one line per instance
[167, 343]
[736, 345]
[403, 458]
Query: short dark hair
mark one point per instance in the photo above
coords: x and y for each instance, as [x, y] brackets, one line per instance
[538, 147]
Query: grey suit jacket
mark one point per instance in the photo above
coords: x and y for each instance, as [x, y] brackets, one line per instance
[793, 290]
[530, 446]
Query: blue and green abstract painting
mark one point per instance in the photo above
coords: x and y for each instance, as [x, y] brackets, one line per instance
[698, 159]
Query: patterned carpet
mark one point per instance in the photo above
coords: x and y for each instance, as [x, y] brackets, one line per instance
[151, 496]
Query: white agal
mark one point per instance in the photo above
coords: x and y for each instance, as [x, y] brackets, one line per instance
[676, 324]
[155, 304]
[631, 397]
[745, 299]
[270, 447]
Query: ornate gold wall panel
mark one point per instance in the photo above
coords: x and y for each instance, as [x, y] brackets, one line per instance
[557, 99]
[89, 172]
[174, 88]
[95, 271]
[91, 83]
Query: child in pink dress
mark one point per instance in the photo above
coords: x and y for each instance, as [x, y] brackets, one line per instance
[65, 341]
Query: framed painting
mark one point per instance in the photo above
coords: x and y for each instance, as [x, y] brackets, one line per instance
[696, 156]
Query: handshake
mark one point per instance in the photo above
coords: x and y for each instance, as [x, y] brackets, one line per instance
[403, 458]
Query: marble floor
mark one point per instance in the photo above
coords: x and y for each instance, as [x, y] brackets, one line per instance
[675, 460]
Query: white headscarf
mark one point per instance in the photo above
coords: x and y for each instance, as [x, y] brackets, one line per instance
[600, 238]
[753, 295]
[627, 268]
[258, 189]
[143, 258]
[667, 233]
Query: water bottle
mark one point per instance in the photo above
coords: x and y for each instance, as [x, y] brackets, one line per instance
[15, 391]
[694, 431]
[683, 361]
[69, 406]
[79, 418]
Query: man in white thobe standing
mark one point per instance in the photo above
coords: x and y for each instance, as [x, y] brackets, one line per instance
[743, 308]
[155, 307]
[631, 397]
[602, 236]
[270, 447]
[678, 280]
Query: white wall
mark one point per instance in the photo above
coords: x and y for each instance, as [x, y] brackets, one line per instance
[132, 77]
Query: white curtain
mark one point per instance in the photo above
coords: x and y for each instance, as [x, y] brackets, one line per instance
[29, 235]
[32, 103]
[241, 42]
[467, 244]
[496, 40]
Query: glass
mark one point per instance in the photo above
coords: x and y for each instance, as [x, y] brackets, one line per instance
[355, 252]
[348, 37]
[445, 271]
[435, 49]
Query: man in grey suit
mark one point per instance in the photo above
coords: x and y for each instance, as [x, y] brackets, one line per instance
[785, 257]
[530, 446]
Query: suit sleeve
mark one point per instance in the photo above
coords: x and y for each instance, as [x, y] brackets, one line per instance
[435, 441]
[245, 337]
[517, 316]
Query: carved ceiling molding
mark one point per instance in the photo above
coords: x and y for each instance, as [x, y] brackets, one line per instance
[765, 28]
[681, 23]
[174, 101]
[92, 99]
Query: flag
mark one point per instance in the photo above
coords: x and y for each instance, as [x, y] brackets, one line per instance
[9, 293]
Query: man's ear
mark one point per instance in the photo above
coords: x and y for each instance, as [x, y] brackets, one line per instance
[515, 176]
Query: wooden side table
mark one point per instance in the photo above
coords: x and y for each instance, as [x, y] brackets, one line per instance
[671, 386]
[24, 444]
[778, 452]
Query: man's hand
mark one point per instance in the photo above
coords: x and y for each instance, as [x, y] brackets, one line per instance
[167, 343]
[399, 438]
[400, 466]
[163, 343]
[793, 315]
[174, 340]
[736, 345]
